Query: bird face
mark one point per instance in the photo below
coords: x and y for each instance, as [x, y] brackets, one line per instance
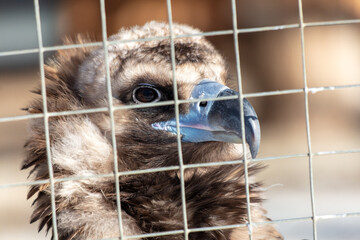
[142, 74]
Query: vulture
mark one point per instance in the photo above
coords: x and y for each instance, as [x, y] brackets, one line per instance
[146, 137]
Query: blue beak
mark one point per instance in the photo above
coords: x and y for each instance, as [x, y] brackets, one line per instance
[216, 120]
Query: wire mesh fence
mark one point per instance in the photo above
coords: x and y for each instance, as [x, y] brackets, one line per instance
[181, 167]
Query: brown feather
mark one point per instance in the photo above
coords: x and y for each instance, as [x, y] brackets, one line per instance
[81, 145]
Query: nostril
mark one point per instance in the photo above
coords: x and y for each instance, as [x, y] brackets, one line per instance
[203, 103]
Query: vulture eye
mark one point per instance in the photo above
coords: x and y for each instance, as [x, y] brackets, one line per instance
[146, 94]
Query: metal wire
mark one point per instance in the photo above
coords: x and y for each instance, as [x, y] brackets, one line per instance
[165, 103]
[46, 118]
[241, 99]
[205, 34]
[307, 121]
[111, 114]
[172, 168]
[178, 136]
[181, 167]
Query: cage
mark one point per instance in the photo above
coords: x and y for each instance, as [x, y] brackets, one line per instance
[295, 61]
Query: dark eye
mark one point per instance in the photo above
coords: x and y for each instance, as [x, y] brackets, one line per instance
[146, 94]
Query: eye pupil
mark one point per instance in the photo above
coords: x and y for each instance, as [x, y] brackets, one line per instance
[146, 94]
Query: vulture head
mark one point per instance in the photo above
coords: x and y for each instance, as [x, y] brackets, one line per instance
[146, 137]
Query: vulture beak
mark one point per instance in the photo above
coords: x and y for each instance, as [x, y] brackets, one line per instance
[216, 120]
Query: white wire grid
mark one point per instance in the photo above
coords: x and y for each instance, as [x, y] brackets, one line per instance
[176, 102]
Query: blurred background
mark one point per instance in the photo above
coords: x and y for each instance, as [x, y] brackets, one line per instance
[270, 61]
